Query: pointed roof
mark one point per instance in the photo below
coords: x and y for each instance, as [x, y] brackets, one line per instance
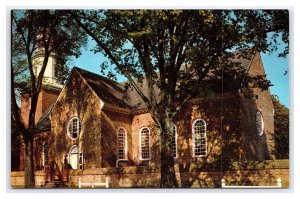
[114, 93]
[109, 91]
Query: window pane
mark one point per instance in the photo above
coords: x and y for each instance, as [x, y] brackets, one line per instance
[145, 143]
[74, 128]
[200, 138]
[174, 142]
[121, 144]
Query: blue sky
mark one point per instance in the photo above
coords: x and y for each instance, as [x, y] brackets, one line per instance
[275, 68]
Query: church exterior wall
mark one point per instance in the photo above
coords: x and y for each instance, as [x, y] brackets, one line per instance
[257, 147]
[76, 100]
[230, 130]
[208, 110]
[98, 138]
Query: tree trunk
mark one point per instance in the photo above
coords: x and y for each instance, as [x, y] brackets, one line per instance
[29, 169]
[168, 178]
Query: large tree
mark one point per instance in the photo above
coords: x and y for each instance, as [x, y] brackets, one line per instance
[281, 125]
[52, 32]
[152, 46]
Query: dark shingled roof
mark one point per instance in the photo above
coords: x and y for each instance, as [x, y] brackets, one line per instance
[107, 90]
[44, 123]
[114, 93]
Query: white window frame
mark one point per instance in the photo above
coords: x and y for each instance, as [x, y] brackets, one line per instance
[262, 123]
[81, 160]
[125, 144]
[78, 127]
[193, 137]
[176, 134]
[140, 140]
[69, 155]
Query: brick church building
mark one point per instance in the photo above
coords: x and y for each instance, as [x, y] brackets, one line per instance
[88, 131]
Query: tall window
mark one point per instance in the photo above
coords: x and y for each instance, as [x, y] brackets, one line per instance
[145, 144]
[199, 138]
[45, 153]
[122, 144]
[175, 141]
[74, 128]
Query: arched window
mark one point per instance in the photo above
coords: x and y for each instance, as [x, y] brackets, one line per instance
[74, 156]
[199, 138]
[175, 141]
[45, 153]
[259, 123]
[74, 128]
[122, 144]
[145, 144]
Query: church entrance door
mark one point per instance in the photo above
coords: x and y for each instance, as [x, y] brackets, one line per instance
[74, 156]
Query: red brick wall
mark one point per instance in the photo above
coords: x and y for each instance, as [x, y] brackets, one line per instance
[77, 99]
[38, 142]
[46, 98]
[188, 176]
[102, 127]
[254, 99]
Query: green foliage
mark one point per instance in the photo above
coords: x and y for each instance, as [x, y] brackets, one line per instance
[141, 43]
[37, 33]
[281, 124]
[51, 29]
[179, 55]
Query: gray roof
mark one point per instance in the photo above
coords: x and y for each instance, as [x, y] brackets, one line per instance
[114, 93]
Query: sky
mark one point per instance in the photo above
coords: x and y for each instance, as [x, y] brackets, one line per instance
[275, 68]
[90, 63]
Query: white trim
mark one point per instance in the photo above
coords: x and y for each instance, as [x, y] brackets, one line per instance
[278, 185]
[93, 184]
[193, 138]
[78, 125]
[73, 146]
[140, 145]
[262, 123]
[70, 152]
[125, 143]
[81, 161]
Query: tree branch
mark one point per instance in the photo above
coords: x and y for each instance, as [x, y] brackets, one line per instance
[111, 56]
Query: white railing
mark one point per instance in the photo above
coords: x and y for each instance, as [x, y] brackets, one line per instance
[279, 185]
[93, 184]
